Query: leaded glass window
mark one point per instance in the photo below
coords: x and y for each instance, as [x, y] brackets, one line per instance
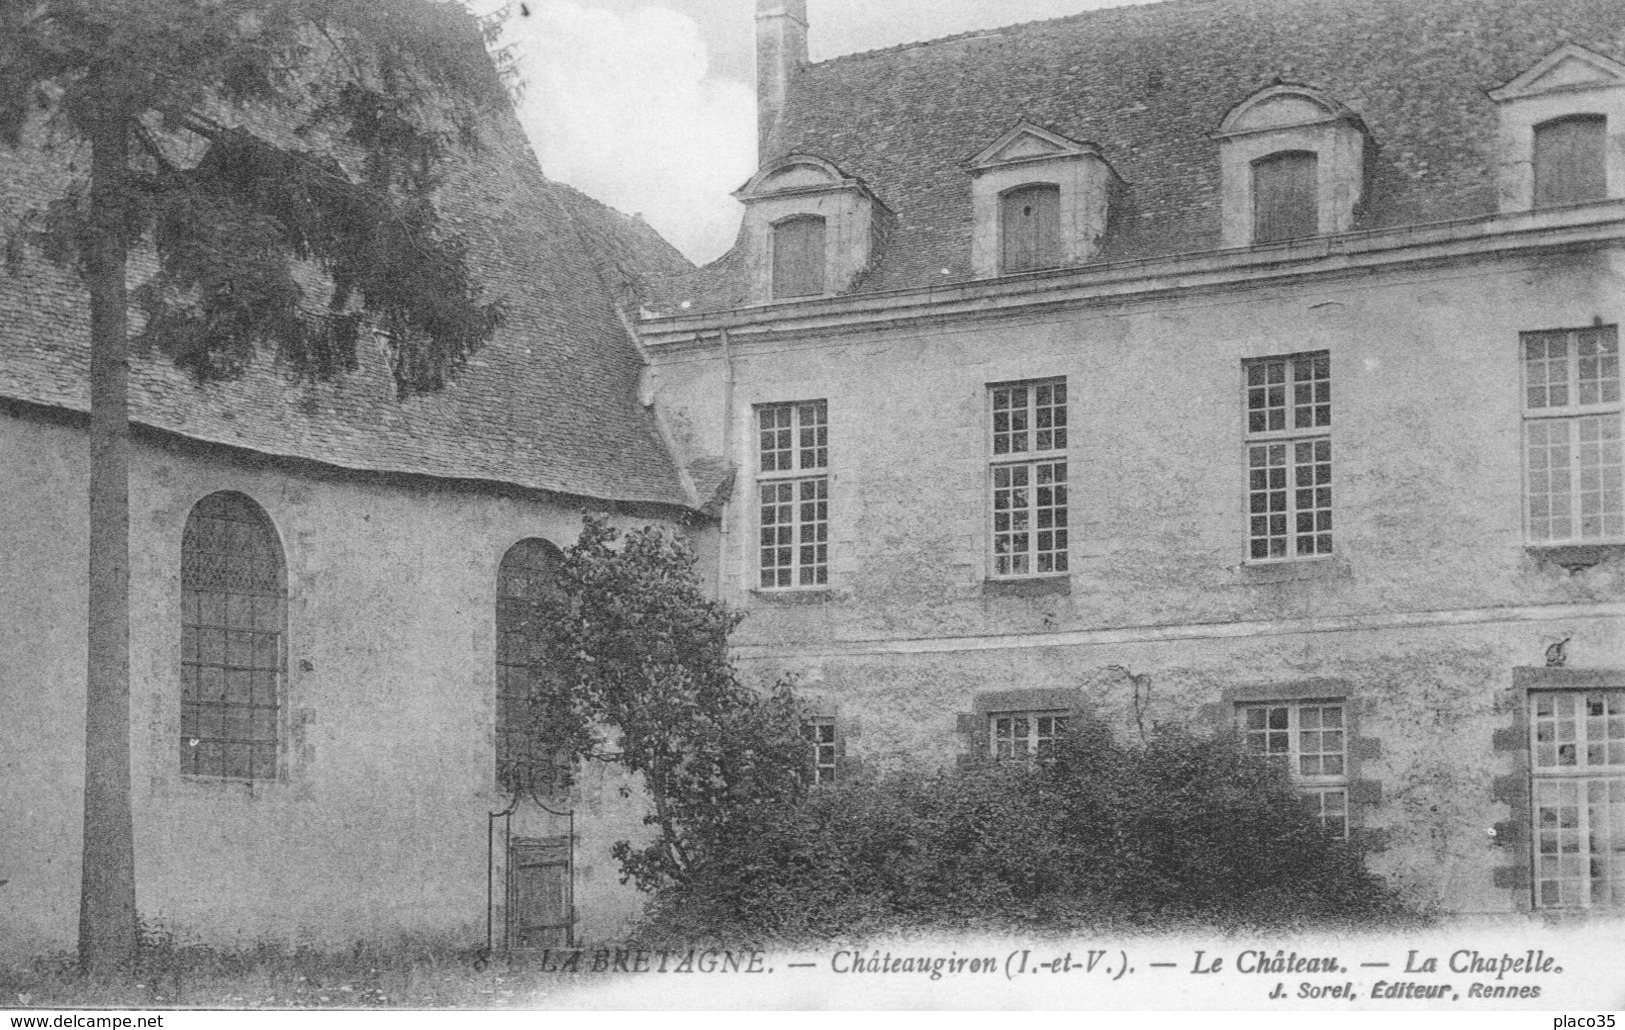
[1028, 476]
[233, 628]
[1289, 457]
[527, 588]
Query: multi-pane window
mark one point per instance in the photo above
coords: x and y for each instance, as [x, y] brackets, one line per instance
[233, 621]
[819, 732]
[1309, 738]
[1571, 160]
[1577, 755]
[793, 494]
[1572, 436]
[1024, 734]
[798, 257]
[1030, 227]
[1289, 457]
[1286, 190]
[527, 762]
[1028, 478]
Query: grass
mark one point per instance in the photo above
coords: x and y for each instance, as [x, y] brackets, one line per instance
[408, 973]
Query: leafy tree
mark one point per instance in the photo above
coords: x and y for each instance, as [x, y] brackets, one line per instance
[235, 142]
[640, 675]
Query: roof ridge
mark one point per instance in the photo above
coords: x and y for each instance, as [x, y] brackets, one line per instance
[999, 30]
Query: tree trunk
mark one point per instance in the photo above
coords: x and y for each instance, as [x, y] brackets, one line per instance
[107, 919]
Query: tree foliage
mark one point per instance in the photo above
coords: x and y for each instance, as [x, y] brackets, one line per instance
[640, 675]
[263, 135]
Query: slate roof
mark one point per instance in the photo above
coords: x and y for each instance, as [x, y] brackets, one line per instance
[550, 403]
[1149, 85]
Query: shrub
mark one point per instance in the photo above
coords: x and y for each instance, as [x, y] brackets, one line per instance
[1176, 829]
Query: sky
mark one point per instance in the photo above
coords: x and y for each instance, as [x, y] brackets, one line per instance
[651, 107]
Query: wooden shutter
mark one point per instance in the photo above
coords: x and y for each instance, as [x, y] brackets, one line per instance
[1030, 220]
[798, 257]
[1570, 161]
[1285, 196]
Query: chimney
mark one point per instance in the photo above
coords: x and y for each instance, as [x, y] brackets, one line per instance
[781, 48]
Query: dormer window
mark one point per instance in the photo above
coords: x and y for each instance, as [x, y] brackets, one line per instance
[809, 230]
[1038, 200]
[1286, 202]
[1561, 126]
[798, 257]
[1029, 225]
[1571, 160]
[1293, 166]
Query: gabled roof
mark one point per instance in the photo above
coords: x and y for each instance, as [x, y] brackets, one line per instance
[1150, 86]
[550, 403]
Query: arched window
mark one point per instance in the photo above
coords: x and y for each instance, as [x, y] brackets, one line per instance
[526, 580]
[1571, 160]
[1030, 227]
[1286, 192]
[798, 257]
[234, 618]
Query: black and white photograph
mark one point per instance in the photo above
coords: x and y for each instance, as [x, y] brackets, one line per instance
[511, 505]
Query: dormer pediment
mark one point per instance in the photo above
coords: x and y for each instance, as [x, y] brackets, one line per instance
[1569, 68]
[1282, 107]
[1027, 142]
[797, 173]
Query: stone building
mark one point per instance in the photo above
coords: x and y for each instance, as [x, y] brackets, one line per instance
[327, 589]
[1237, 362]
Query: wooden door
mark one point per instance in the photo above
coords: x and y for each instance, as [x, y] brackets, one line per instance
[540, 902]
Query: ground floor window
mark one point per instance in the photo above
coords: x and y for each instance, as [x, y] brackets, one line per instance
[1024, 734]
[819, 733]
[1310, 738]
[1577, 754]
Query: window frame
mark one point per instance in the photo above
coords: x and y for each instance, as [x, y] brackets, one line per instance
[264, 658]
[516, 774]
[826, 753]
[1607, 415]
[1034, 461]
[1312, 785]
[1548, 832]
[806, 483]
[1292, 438]
[1038, 744]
